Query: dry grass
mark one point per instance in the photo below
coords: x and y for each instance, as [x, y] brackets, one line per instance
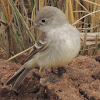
[16, 16]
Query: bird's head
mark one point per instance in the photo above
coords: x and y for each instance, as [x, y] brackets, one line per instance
[49, 18]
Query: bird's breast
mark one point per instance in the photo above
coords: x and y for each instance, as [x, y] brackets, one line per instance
[63, 48]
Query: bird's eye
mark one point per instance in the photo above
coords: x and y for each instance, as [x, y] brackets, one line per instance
[43, 20]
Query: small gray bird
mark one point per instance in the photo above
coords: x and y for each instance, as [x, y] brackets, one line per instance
[57, 46]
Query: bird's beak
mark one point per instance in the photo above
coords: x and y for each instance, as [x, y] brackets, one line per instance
[35, 25]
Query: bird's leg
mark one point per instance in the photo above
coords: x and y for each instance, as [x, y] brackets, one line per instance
[59, 71]
[49, 78]
[53, 71]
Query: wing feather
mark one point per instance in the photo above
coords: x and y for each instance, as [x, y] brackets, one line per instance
[41, 44]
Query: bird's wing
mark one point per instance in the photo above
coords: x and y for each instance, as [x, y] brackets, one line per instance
[41, 44]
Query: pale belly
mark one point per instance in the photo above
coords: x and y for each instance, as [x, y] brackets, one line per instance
[60, 55]
[60, 51]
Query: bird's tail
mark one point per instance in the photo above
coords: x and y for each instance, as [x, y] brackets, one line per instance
[18, 77]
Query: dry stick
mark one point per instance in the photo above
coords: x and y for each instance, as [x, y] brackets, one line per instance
[84, 44]
[19, 54]
[93, 16]
[96, 44]
[89, 28]
[92, 2]
[90, 38]
[88, 49]
[86, 16]
[13, 14]
[3, 22]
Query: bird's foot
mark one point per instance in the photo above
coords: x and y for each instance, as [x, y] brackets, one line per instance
[52, 80]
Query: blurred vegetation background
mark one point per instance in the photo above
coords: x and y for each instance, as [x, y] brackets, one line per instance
[16, 16]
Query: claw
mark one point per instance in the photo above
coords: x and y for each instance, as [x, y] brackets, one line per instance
[52, 80]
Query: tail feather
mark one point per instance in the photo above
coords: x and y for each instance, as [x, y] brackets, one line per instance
[18, 77]
[15, 76]
[21, 77]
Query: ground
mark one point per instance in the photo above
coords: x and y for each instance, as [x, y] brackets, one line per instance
[80, 80]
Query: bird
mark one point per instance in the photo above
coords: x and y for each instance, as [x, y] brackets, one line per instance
[58, 44]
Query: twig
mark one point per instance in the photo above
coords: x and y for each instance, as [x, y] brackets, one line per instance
[19, 54]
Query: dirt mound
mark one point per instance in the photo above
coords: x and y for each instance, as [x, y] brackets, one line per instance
[80, 80]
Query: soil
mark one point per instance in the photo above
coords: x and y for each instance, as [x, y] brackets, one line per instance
[80, 80]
